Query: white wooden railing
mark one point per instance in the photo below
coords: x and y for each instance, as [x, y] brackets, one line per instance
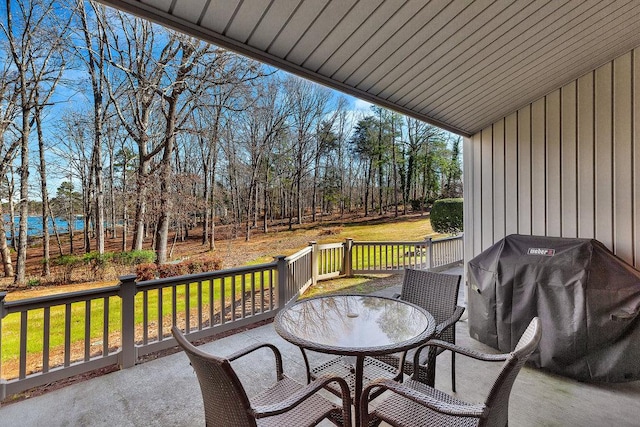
[50, 338]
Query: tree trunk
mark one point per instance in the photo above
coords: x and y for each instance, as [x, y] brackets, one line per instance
[5, 253]
[46, 270]
[141, 207]
[265, 201]
[55, 231]
[21, 263]
[12, 212]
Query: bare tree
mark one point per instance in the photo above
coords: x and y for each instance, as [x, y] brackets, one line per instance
[35, 38]
[9, 145]
[186, 78]
[263, 123]
[133, 92]
[308, 103]
[94, 58]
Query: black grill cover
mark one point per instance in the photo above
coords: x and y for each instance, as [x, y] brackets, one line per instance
[587, 299]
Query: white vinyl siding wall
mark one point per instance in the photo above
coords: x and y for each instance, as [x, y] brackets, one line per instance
[566, 165]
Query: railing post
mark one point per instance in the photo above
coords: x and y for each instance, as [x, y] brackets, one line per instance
[430, 251]
[348, 269]
[3, 385]
[127, 293]
[282, 281]
[315, 265]
[2, 312]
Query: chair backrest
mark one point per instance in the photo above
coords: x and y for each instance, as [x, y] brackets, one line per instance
[225, 400]
[498, 398]
[435, 292]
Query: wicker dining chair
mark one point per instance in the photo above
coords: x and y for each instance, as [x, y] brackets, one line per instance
[438, 294]
[286, 403]
[414, 403]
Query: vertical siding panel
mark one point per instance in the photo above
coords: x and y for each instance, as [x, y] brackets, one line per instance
[469, 197]
[586, 177]
[524, 170]
[477, 190]
[568, 164]
[498, 181]
[623, 193]
[635, 176]
[603, 163]
[538, 175]
[553, 181]
[568, 157]
[487, 188]
[511, 173]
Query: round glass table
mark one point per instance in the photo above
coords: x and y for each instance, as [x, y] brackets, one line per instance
[356, 326]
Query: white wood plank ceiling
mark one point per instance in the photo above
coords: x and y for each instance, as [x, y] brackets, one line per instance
[458, 64]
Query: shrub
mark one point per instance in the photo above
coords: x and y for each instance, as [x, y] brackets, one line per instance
[173, 269]
[421, 204]
[212, 264]
[194, 267]
[150, 271]
[146, 271]
[134, 257]
[68, 263]
[97, 263]
[447, 216]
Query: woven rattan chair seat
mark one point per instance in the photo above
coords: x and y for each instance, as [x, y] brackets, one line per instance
[312, 412]
[404, 412]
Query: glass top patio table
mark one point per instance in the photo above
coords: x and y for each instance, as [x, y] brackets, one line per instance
[354, 325]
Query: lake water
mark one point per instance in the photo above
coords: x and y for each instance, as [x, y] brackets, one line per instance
[34, 225]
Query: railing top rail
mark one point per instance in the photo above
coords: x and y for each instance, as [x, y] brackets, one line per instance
[387, 243]
[331, 245]
[299, 254]
[58, 299]
[459, 236]
[190, 278]
[419, 242]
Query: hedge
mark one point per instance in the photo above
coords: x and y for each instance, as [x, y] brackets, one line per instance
[447, 216]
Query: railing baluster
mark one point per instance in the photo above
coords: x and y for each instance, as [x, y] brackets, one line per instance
[223, 300]
[271, 293]
[211, 302]
[87, 330]
[23, 344]
[233, 302]
[243, 296]
[174, 306]
[253, 275]
[46, 338]
[187, 307]
[160, 315]
[199, 305]
[145, 317]
[67, 334]
[105, 328]
[253, 298]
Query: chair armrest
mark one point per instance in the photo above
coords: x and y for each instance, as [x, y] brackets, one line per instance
[258, 346]
[475, 410]
[304, 393]
[457, 313]
[461, 350]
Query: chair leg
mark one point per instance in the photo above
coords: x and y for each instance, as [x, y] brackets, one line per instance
[453, 371]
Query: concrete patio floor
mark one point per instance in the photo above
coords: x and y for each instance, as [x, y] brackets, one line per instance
[165, 392]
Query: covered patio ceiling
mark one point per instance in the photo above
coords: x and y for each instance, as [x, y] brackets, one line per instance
[456, 64]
